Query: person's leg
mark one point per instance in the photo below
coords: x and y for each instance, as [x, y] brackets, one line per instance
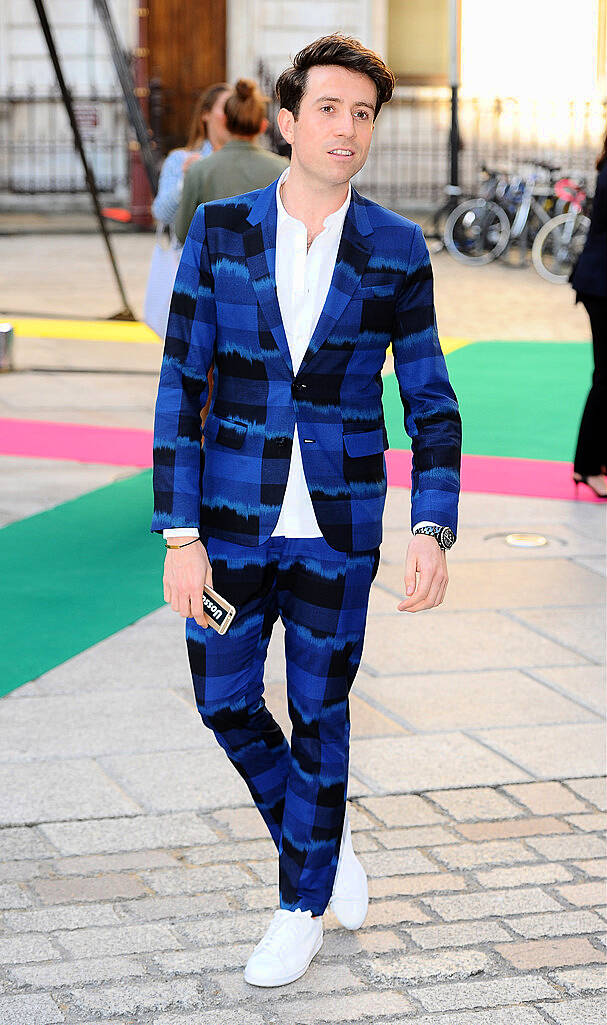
[323, 597]
[591, 452]
[227, 673]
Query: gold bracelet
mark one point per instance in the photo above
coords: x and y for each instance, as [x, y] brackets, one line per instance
[167, 545]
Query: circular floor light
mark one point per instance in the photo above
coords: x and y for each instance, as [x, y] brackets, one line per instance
[526, 540]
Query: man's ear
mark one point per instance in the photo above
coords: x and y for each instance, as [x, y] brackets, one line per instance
[285, 121]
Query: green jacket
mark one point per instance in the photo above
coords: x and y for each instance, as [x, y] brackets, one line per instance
[237, 167]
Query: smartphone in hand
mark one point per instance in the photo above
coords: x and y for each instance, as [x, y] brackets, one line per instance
[218, 611]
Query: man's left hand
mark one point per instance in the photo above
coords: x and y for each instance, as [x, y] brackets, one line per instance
[426, 576]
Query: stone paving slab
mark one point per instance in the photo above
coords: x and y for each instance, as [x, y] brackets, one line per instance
[581, 629]
[469, 641]
[29, 1010]
[590, 1011]
[48, 483]
[179, 780]
[469, 700]
[414, 762]
[593, 790]
[73, 789]
[551, 751]
[547, 798]
[586, 684]
[92, 725]
[118, 834]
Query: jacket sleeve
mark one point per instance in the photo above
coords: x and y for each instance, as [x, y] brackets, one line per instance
[183, 387]
[432, 418]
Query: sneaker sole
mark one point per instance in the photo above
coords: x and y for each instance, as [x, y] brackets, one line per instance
[285, 980]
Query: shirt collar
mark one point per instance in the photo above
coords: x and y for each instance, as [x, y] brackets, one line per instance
[334, 221]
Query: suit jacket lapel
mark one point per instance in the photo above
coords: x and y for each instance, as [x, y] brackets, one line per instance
[352, 257]
[260, 254]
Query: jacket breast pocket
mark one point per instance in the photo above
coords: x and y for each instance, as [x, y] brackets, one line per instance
[230, 433]
[377, 291]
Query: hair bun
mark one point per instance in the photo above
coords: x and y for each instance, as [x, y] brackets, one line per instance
[245, 88]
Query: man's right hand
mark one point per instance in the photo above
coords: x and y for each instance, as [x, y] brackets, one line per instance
[186, 571]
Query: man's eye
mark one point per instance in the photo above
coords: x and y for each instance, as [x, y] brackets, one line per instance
[327, 108]
[363, 115]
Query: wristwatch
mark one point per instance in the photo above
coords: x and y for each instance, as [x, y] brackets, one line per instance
[444, 536]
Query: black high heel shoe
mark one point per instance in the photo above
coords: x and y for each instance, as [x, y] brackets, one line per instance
[583, 479]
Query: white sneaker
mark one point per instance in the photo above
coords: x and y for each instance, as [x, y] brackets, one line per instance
[285, 952]
[350, 897]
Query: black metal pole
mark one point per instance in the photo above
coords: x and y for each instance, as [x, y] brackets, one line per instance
[454, 139]
[127, 313]
[133, 107]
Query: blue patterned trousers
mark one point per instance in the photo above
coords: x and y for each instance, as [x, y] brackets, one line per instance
[321, 596]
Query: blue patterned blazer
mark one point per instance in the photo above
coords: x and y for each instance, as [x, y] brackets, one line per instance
[225, 309]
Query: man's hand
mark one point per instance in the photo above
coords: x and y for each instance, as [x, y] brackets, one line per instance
[186, 571]
[426, 590]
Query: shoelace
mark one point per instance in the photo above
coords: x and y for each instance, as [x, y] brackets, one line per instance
[283, 922]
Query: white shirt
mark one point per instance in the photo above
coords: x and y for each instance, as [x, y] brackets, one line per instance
[303, 278]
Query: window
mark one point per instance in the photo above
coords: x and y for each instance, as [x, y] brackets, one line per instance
[418, 41]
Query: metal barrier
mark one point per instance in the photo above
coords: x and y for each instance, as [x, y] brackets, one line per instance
[37, 148]
[408, 164]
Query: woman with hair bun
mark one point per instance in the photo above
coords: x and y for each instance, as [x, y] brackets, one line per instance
[242, 165]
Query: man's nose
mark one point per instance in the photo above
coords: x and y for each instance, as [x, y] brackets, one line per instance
[346, 125]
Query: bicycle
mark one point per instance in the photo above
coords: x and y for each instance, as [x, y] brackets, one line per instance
[506, 218]
[477, 230]
[559, 243]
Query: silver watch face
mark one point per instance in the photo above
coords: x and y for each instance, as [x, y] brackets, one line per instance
[446, 538]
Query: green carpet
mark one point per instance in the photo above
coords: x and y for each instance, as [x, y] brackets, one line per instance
[75, 574]
[517, 399]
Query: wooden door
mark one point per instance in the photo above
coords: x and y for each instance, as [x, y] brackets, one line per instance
[187, 53]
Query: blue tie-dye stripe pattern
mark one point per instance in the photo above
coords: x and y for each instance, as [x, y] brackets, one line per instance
[344, 358]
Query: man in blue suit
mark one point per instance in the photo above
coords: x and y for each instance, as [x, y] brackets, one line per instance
[293, 293]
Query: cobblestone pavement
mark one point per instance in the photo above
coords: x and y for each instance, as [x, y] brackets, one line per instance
[135, 876]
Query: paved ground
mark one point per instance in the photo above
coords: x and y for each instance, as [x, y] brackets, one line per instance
[135, 876]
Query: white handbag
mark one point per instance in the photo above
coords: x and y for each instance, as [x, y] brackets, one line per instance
[161, 279]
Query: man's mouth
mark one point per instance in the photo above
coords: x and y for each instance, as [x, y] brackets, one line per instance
[339, 152]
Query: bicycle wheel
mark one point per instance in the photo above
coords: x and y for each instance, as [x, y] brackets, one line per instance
[558, 245]
[477, 232]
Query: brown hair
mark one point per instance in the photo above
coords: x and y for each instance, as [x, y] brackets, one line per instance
[344, 51]
[602, 157]
[204, 105]
[246, 108]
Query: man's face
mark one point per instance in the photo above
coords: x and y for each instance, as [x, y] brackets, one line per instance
[332, 134]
